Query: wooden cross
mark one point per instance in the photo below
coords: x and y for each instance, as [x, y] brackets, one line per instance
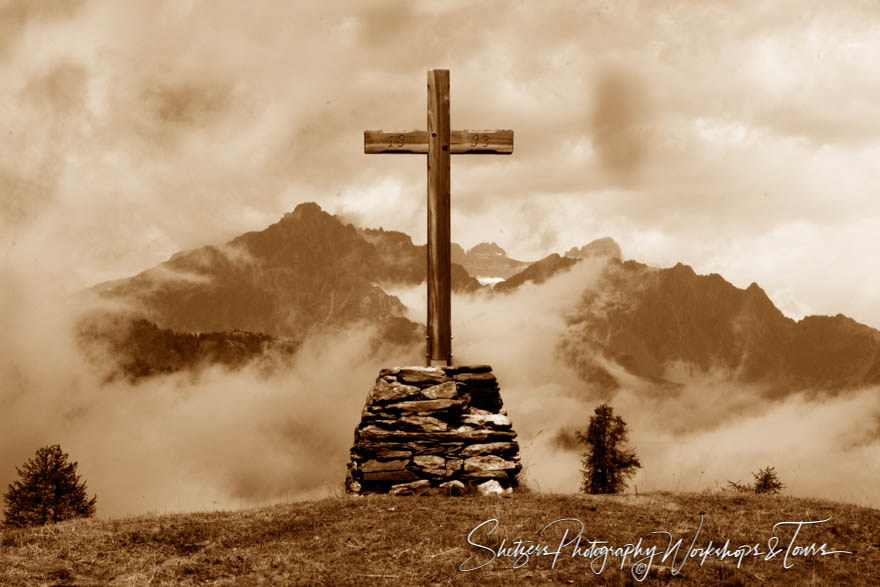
[438, 142]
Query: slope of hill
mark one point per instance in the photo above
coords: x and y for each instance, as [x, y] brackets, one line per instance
[423, 541]
[538, 272]
[138, 348]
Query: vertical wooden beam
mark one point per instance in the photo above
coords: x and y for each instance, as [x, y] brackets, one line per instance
[439, 257]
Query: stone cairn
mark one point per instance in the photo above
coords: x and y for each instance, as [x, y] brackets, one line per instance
[434, 430]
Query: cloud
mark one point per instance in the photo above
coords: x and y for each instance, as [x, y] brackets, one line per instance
[228, 439]
[17, 17]
[620, 110]
[820, 447]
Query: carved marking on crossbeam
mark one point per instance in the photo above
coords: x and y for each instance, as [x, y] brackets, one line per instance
[493, 142]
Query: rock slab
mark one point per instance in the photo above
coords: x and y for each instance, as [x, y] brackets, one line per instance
[437, 430]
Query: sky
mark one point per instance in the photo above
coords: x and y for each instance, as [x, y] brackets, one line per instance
[739, 138]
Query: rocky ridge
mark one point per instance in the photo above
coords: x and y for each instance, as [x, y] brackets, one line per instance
[669, 325]
[487, 260]
[306, 273]
[434, 429]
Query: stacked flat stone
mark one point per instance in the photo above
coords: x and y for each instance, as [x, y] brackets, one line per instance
[434, 430]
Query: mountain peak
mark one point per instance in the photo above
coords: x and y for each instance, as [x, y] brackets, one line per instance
[756, 293]
[305, 210]
[380, 235]
[683, 269]
[487, 249]
[486, 260]
[600, 247]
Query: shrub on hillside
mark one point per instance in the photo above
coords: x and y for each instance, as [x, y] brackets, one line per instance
[766, 481]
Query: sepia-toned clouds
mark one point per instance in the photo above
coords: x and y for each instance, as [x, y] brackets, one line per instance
[150, 128]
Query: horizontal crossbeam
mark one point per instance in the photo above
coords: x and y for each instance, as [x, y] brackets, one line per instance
[497, 142]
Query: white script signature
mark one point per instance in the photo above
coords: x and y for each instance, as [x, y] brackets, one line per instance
[574, 545]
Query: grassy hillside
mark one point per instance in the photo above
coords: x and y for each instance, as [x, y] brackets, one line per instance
[409, 541]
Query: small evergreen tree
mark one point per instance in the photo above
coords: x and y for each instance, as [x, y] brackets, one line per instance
[49, 490]
[608, 462]
[766, 481]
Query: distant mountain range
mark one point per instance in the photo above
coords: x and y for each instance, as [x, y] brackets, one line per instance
[309, 273]
[304, 272]
[668, 324]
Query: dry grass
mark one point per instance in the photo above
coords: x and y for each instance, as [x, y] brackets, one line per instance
[414, 541]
